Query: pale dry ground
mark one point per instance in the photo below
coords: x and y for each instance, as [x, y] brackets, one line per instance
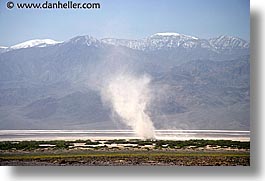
[70, 135]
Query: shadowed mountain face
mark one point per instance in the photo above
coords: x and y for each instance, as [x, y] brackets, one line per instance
[196, 83]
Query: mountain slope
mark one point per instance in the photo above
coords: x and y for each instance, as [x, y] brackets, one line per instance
[196, 83]
[228, 42]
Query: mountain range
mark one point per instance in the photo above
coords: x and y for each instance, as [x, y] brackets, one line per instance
[196, 83]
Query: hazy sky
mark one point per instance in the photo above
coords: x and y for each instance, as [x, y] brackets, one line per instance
[126, 19]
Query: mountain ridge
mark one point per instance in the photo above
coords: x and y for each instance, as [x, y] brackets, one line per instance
[153, 42]
[192, 87]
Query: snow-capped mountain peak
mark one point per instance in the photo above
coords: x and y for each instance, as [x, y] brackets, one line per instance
[166, 34]
[157, 41]
[171, 40]
[224, 42]
[3, 49]
[35, 43]
[84, 40]
[172, 34]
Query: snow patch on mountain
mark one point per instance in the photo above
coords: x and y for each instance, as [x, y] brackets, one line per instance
[85, 40]
[228, 42]
[35, 43]
[172, 34]
[3, 49]
[157, 41]
[170, 40]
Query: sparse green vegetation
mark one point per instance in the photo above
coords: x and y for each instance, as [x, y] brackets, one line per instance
[89, 142]
[81, 141]
[121, 157]
[158, 144]
[117, 141]
[129, 152]
[202, 143]
[31, 145]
